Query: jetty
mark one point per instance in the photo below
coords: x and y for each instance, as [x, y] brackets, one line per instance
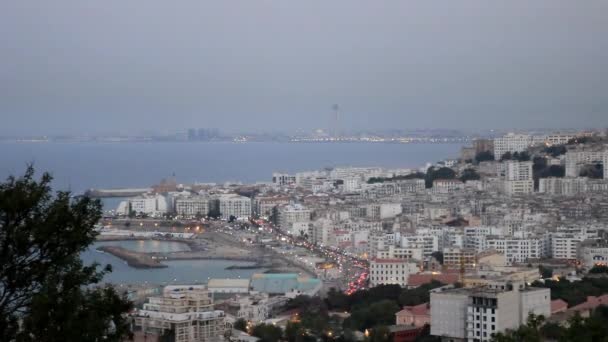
[133, 259]
[126, 192]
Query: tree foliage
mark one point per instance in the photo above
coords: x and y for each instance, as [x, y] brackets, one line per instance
[540, 169]
[267, 332]
[441, 173]
[599, 269]
[469, 174]
[556, 150]
[44, 285]
[366, 317]
[545, 272]
[595, 171]
[240, 324]
[484, 156]
[518, 156]
[575, 292]
[592, 328]
[415, 175]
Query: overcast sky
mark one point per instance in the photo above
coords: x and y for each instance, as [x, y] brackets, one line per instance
[137, 65]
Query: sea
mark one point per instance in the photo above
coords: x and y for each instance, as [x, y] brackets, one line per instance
[80, 166]
[177, 272]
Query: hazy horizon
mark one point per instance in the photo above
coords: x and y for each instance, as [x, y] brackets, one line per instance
[72, 67]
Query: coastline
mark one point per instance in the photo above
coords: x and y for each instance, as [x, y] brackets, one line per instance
[213, 246]
[133, 259]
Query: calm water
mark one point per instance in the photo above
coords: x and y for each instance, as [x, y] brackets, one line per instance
[79, 166]
[180, 271]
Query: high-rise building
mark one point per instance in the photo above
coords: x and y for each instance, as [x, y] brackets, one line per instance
[575, 160]
[512, 143]
[182, 314]
[192, 206]
[518, 171]
[475, 314]
[287, 215]
[563, 186]
[233, 205]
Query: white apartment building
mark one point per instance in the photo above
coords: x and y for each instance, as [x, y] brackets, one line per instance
[511, 143]
[457, 257]
[282, 179]
[519, 187]
[475, 314]
[483, 231]
[264, 206]
[428, 243]
[192, 206]
[185, 311]
[566, 241]
[152, 205]
[518, 171]
[401, 253]
[447, 186]
[234, 205]
[562, 186]
[410, 185]
[380, 211]
[517, 250]
[351, 184]
[559, 139]
[304, 176]
[391, 271]
[363, 173]
[576, 159]
[287, 215]
[252, 309]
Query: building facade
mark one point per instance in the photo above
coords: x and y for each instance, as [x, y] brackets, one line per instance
[476, 314]
[391, 271]
[183, 312]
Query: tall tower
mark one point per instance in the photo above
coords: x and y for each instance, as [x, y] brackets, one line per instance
[336, 120]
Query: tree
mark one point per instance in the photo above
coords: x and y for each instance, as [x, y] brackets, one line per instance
[46, 293]
[293, 330]
[379, 334]
[438, 256]
[556, 150]
[442, 173]
[484, 156]
[506, 156]
[545, 272]
[521, 156]
[336, 299]
[469, 174]
[366, 317]
[240, 324]
[267, 332]
[540, 169]
[599, 269]
[529, 332]
[595, 171]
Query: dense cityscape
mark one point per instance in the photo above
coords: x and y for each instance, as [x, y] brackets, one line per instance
[466, 249]
[303, 171]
